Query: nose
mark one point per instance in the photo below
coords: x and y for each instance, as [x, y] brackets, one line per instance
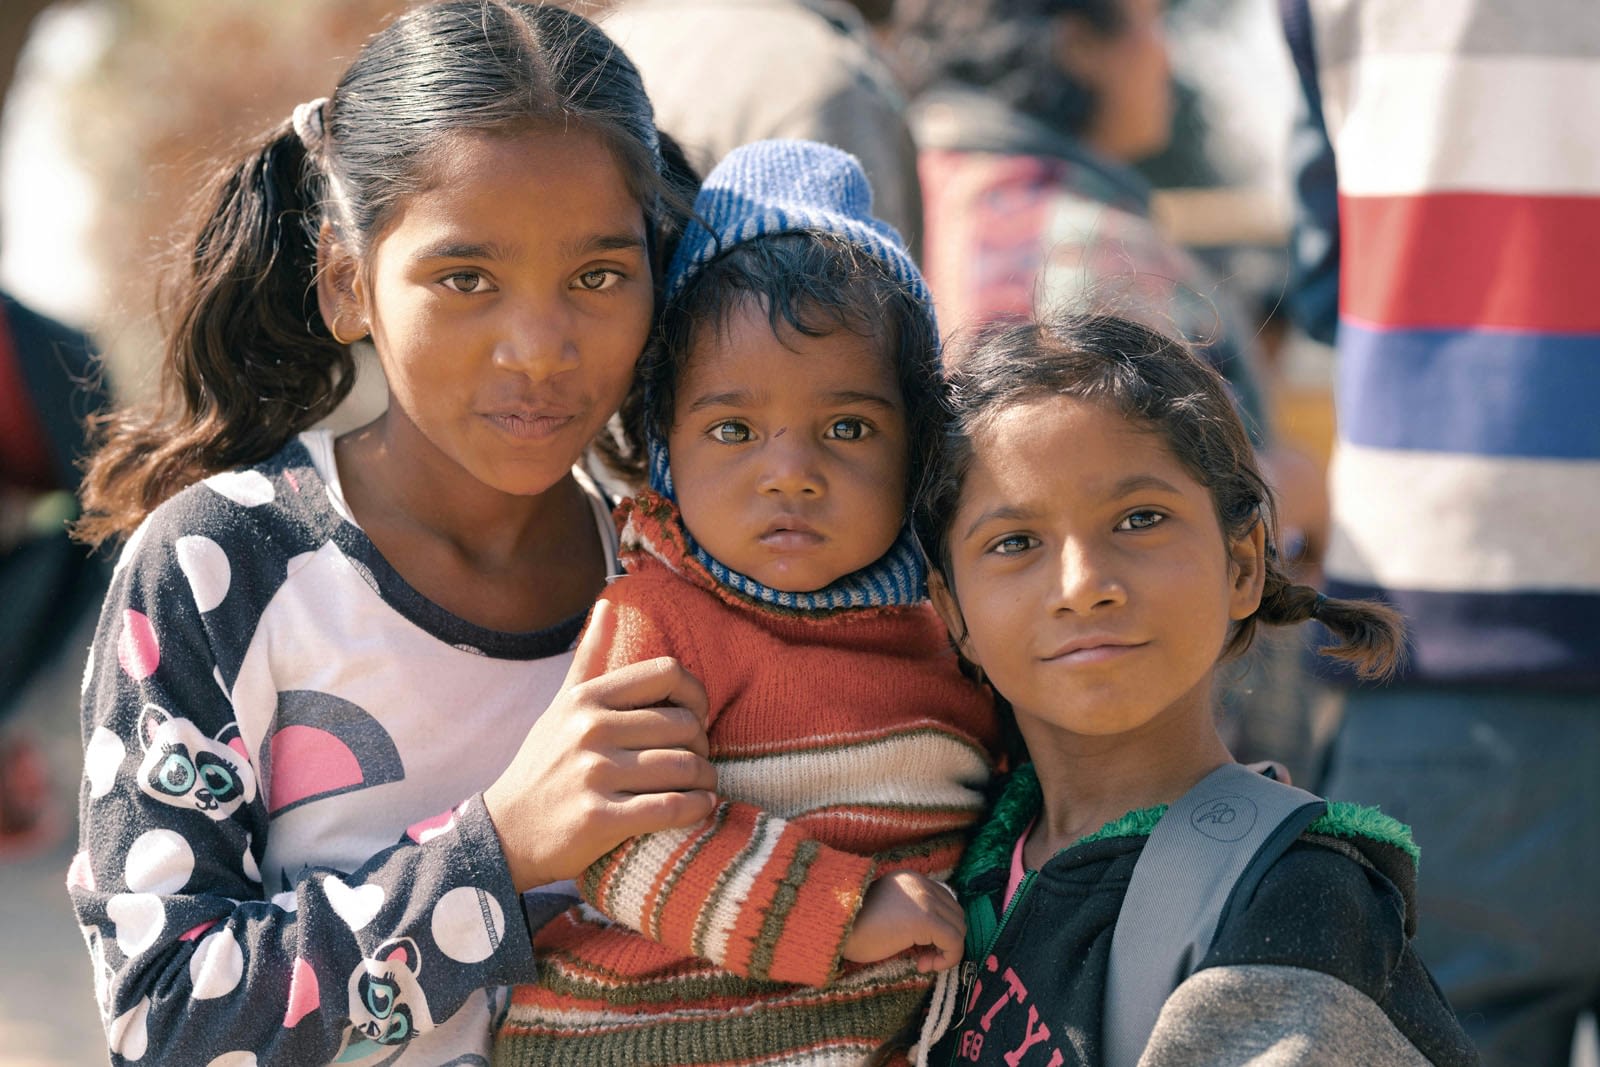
[537, 340]
[1086, 578]
[791, 466]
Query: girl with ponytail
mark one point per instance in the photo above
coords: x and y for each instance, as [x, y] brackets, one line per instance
[335, 723]
[1101, 540]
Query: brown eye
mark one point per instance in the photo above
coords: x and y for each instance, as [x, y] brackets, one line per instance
[730, 432]
[1013, 544]
[465, 281]
[848, 430]
[1141, 520]
[596, 280]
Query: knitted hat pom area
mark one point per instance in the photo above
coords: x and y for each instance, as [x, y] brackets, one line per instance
[767, 189]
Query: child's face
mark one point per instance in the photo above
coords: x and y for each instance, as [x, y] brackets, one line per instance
[1091, 573]
[789, 454]
[508, 300]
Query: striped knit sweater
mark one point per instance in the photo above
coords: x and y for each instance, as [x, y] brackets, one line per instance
[847, 744]
[1466, 482]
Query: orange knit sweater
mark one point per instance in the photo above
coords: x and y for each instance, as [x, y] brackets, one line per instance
[847, 744]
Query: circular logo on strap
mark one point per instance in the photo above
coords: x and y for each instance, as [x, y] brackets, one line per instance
[1226, 817]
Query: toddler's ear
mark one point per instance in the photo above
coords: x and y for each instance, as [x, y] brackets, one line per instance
[1247, 555]
[949, 610]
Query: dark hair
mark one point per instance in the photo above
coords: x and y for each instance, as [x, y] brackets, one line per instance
[1004, 47]
[248, 360]
[814, 283]
[1157, 383]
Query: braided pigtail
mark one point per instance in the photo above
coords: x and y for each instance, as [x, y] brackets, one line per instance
[1371, 635]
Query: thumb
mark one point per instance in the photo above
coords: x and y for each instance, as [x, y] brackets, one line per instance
[589, 658]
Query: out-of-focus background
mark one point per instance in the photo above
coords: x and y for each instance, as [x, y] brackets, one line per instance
[112, 109]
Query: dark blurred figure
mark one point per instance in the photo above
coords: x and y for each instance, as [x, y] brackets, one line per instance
[1449, 248]
[722, 73]
[47, 583]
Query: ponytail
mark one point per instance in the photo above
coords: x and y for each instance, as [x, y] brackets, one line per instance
[1371, 634]
[248, 361]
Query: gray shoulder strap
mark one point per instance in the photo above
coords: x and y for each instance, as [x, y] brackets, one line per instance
[1222, 834]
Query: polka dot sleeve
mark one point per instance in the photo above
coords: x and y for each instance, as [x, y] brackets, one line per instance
[196, 960]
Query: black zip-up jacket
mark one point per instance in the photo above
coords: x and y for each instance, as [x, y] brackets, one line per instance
[1316, 968]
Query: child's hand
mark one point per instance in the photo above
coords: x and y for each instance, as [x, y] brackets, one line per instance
[907, 910]
[617, 754]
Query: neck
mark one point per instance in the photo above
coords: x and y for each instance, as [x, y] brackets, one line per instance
[389, 482]
[1090, 780]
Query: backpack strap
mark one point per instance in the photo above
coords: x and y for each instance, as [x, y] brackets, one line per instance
[1205, 856]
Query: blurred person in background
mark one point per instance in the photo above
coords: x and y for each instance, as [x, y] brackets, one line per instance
[1449, 196]
[1029, 116]
[723, 73]
[48, 585]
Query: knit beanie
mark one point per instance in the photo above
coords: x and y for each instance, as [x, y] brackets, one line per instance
[777, 187]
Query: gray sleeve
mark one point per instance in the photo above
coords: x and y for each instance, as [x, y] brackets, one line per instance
[1274, 1016]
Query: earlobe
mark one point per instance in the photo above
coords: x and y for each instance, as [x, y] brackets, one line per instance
[339, 296]
[949, 611]
[1248, 569]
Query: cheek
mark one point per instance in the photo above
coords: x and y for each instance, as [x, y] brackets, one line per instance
[992, 612]
[616, 347]
[883, 498]
[699, 486]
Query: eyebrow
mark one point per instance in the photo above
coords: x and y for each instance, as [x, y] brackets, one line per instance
[1008, 512]
[741, 397]
[606, 242]
[1138, 483]
[494, 250]
[855, 396]
[448, 249]
[732, 399]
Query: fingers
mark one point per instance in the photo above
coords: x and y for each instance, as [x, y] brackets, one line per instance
[943, 942]
[661, 770]
[589, 657]
[646, 813]
[651, 728]
[943, 923]
[647, 684]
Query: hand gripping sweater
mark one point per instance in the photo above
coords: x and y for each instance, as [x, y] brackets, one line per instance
[847, 744]
[284, 855]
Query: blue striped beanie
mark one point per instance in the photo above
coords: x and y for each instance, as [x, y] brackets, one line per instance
[765, 189]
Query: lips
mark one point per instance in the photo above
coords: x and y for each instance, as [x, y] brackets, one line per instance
[1091, 648]
[790, 533]
[529, 424]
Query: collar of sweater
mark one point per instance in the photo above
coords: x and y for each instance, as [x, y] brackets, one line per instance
[651, 526]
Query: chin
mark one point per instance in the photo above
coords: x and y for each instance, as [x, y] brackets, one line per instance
[525, 482]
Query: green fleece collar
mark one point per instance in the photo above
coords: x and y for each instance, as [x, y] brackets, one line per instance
[1355, 822]
[1021, 800]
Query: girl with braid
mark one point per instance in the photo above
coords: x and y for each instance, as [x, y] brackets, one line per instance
[1101, 539]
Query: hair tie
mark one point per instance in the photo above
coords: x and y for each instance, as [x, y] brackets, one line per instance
[308, 124]
[1316, 605]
